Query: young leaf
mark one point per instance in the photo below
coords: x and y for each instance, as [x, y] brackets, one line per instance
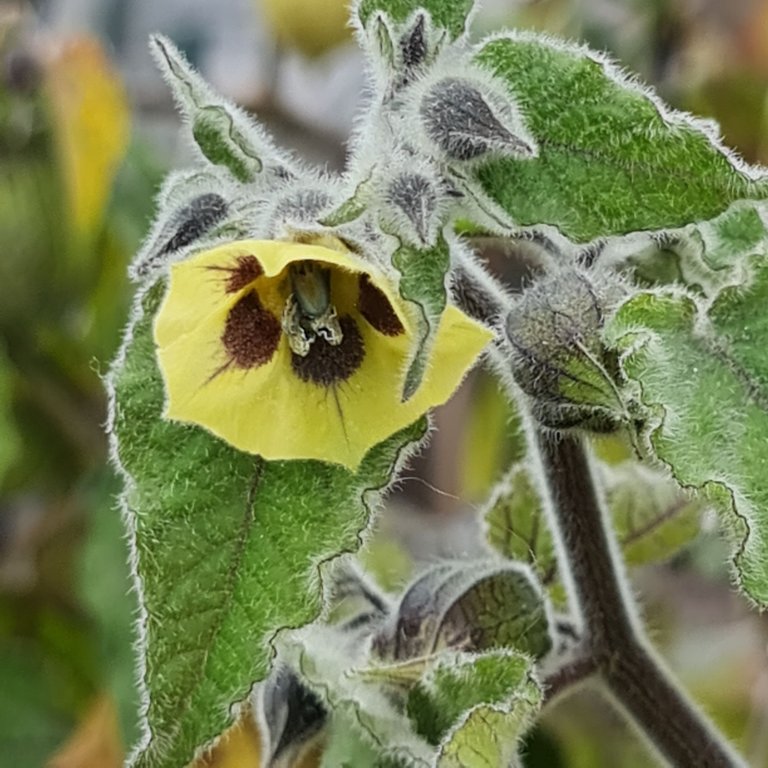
[224, 135]
[226, 549]
[516, 526]
[475, 708]
[705, 377]
[612, 158]
[706, 256]
[450, 15]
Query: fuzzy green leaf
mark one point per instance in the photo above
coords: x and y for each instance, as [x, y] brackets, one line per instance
[706, 256]
[223, 134]
[227, 549]
[611, 158]
[704, 377]
[451, 15]
[475, 708]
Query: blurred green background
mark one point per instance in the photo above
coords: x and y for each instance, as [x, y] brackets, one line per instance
[87, 131]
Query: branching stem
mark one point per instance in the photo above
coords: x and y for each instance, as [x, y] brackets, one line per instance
[614, 643]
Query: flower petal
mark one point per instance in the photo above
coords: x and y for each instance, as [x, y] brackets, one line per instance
[271, 410]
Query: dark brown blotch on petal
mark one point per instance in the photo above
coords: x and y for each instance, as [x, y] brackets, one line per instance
[374, 306]
[251, 333]
[326, 364]
[242, 274]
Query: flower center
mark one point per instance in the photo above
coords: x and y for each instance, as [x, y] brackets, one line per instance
[308, 312]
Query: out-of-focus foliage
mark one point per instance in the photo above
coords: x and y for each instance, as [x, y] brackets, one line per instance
[70, 218]
[309, 26]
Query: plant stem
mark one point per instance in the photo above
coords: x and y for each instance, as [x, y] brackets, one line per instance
[614, 642]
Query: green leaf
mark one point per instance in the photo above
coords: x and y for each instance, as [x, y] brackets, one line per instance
[451, 15]
[652, 518]
[516, 526]
[704, 376]
[422, 282]
[475, 708]
[611, 158]
[706, 256]
[223, 133]
[227, 549]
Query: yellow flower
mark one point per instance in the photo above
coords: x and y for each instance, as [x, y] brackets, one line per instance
[297, 351]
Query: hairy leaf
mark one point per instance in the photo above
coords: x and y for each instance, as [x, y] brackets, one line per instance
[705, 377]
[706, 256]
[475, 708]
[224, 135]
[451, 15]
[227, 548]
[612, 159]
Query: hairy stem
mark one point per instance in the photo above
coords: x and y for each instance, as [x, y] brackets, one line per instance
[614, 642]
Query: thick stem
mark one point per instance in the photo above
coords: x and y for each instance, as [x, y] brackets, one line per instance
[613, 636]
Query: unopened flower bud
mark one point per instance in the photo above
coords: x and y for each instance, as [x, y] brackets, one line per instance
[558, 357]
[416, 196]
[464, 124]
[194, 220]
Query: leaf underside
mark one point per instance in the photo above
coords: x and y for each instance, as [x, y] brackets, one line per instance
[705, 376]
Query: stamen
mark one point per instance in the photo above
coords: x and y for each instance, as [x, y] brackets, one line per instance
[326, 364]
[308, 313]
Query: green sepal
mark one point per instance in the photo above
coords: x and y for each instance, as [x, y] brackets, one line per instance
[226, 550]
[350, 209]
[422, 282]
[703, 375]
[222, 133]
[664, 171]
[450, 15]
[471, 605]
[475, 708]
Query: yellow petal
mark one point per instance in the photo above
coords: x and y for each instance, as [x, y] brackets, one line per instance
[268, 409]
